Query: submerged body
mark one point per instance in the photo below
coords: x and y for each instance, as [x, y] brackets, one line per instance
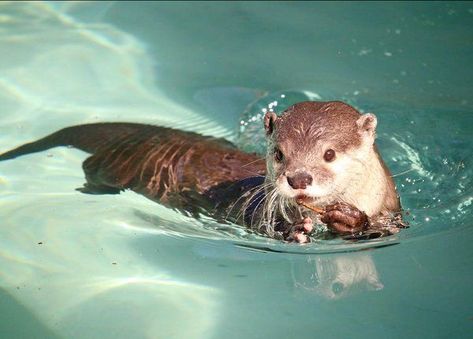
[183, 170]
[200, 174]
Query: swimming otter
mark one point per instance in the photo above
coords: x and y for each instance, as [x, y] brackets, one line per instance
[318, 152]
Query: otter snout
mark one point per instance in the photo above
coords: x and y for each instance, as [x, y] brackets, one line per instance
[300, 180]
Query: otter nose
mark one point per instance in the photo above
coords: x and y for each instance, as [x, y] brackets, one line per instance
[300, 180]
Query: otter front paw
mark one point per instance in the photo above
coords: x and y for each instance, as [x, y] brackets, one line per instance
[300, 231]
[343, 218]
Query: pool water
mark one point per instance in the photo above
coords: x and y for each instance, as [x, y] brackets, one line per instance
[121, 266]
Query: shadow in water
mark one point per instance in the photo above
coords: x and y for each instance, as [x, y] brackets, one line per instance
[18, 322]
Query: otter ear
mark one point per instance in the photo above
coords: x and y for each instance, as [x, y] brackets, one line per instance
[269, 122]
[367, 124]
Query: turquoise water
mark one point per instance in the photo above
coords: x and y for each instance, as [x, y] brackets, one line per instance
[80, 266]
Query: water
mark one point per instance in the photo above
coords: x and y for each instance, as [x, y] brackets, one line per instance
[81, 266]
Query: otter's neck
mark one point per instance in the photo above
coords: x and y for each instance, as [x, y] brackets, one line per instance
[377, 193]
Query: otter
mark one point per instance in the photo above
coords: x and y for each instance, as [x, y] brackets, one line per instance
[324, 154]
[319, 153]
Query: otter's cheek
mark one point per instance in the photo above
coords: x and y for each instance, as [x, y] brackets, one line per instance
[341, 165]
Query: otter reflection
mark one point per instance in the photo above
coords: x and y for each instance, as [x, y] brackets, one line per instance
[337, 276]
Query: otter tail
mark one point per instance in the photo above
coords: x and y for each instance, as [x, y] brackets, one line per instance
[84, 137]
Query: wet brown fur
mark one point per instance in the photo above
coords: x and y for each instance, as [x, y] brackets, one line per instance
[307, 122]
[179, 169]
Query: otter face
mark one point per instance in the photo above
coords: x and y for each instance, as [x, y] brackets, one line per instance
[316, 150]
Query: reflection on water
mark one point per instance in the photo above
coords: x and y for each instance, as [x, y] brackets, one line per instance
[338, 276]
[66, 271]
[89, 72]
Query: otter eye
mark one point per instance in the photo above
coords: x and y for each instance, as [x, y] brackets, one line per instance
[278, 156]
[329, 155]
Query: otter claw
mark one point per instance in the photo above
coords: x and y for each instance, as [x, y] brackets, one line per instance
[299, 232]
[343, 218]
[301, 238]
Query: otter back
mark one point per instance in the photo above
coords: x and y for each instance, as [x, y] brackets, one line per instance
[183, 170]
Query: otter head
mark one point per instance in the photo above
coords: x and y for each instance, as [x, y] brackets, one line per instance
[318, 150]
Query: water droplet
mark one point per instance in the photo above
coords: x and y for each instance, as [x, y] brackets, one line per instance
[364, 51]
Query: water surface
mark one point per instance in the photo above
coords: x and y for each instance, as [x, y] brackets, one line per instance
[81, 266]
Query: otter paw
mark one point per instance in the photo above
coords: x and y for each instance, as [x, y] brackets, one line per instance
[299, 232]
[343, 218]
